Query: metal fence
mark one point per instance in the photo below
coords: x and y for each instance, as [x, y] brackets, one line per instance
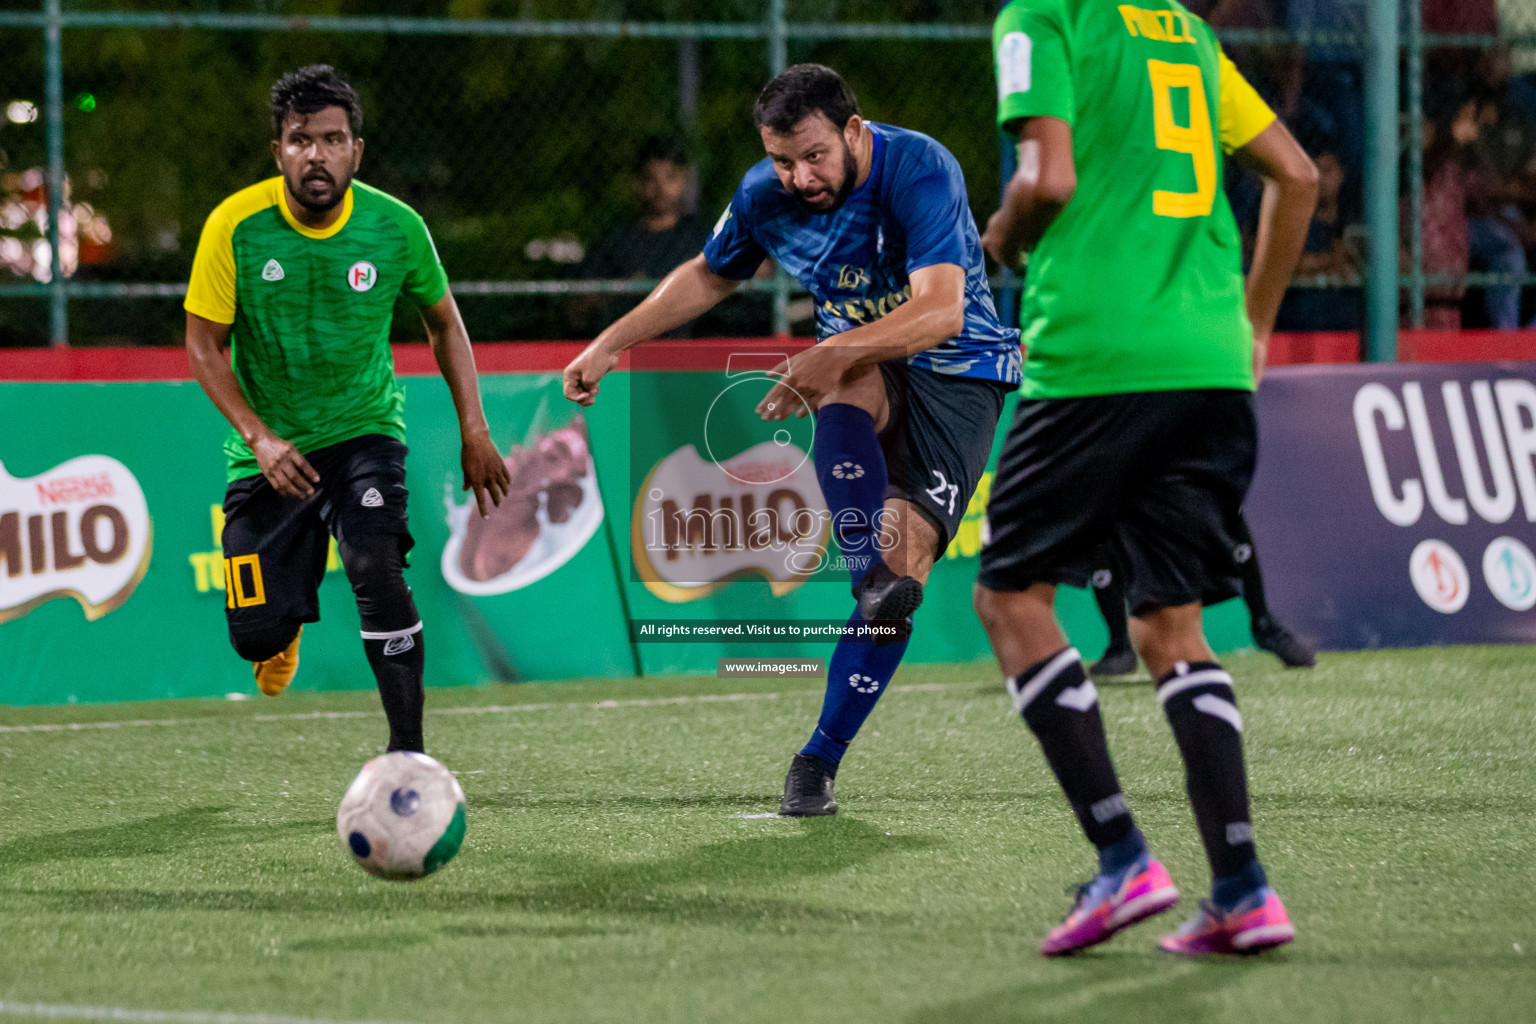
[513, 126]
[515, 138]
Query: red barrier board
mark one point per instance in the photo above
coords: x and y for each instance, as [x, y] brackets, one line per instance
[147, 364]
[1293, 349]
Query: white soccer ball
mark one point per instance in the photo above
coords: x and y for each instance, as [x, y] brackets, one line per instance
[402, 817]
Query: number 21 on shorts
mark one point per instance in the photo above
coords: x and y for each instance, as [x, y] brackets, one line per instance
[938, 491]
[1195, 139]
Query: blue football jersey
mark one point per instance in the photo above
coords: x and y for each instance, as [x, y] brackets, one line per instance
[910, 213]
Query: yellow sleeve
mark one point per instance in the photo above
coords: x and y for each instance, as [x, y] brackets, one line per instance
[211, 292]
[1243, 114]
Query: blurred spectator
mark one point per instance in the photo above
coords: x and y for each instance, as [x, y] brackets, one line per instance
[1324, 84]
[1447, 249]
[1454, 68]
[1499, 158]
[1326, 254]
[1265, 67]
[1518, 17]
[666, 232]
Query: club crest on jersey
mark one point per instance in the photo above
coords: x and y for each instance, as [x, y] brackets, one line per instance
[273, 271]
[851, 277]
[362, 276]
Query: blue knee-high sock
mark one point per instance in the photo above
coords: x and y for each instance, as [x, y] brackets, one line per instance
[858, 675]
[851, 470]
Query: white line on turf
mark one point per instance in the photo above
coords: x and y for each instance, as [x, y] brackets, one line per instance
[749, 817]
[489, 709]
[156, 1016]
[77, 726]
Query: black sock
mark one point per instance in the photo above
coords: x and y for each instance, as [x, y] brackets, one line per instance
[1061, 707]
[375, 566]
[1110, 595]
[399, 660]
[1197, 697]
[1246, 558]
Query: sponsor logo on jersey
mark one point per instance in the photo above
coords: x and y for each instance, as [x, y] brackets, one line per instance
[273, 271]
[362, 276]
[1440, 576]
[80, 530]
[372, 498]
[1014, 55]
[852, 277]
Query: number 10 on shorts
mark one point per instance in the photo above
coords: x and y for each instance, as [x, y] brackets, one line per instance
[243, 586]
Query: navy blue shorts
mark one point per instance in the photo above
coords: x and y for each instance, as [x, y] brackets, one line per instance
[938, 439]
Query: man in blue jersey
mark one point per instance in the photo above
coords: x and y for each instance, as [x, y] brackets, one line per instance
[907, 379]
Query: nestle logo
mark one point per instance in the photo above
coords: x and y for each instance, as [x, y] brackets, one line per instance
[81, 530]
[65, 490]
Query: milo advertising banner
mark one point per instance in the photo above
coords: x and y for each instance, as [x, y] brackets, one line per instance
[113, 584]
[726, 524]
[670, 501]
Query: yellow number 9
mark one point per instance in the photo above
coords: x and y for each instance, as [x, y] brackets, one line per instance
[1195, 139]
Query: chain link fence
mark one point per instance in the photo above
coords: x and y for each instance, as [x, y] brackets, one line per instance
[518, 130]
[520, 142]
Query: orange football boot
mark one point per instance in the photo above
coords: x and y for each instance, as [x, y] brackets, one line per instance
[274, 674]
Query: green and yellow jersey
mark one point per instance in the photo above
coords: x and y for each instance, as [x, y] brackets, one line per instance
[1137, 286]
[310, 311]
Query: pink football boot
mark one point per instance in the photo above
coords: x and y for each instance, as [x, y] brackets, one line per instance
[1112, 902]
[1256, 924]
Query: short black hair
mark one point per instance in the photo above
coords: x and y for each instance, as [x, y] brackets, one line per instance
[661, 146]
[310, 90]
[801, 91]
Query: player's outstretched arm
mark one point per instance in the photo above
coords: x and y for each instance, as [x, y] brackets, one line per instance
[688, 292]
[1041, 188]
[484, 471]
[1290, 194]
[934, 313]
[281, 463]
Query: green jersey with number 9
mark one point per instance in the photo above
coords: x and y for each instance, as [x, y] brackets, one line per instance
[1137, 285]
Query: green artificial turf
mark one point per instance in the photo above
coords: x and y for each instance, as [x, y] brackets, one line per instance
[608, 874]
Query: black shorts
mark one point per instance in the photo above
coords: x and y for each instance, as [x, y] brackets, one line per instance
[275, 548]
[938, 439]
[1159, 476]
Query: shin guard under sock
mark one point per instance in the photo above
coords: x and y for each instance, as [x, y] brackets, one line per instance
[398, 659]
[857, 676]
[1061, 707]
[851, 470]
[1201, 707]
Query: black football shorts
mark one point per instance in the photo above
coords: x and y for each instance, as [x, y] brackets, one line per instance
[275, 548]
[1159, 476]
